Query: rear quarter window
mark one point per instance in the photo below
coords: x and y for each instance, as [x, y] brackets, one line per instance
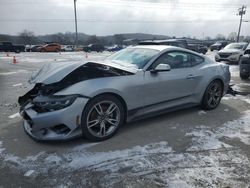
[196, 60]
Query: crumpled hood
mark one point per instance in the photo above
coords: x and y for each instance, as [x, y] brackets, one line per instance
[230, 51]
[56, 71]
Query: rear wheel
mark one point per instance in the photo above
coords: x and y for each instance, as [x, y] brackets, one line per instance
[102, 118]
[212, 95]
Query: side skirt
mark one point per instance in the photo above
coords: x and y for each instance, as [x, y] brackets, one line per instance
[134, 115]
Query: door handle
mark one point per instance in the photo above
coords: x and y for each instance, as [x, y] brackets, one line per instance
[191, 76]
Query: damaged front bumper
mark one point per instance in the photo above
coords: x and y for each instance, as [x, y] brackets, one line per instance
[63, 124]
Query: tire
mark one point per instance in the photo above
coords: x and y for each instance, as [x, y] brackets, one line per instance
[212, 96]
[97, 123]
[244, 76]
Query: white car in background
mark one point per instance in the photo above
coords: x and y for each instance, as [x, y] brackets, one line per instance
[232, 52]
[68, 48]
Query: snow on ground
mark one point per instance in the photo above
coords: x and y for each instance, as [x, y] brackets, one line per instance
[37, 57]
[208, 162]
[16, 115]
[234, 70]
[16, 85]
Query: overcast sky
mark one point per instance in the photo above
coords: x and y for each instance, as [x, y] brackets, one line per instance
[104, 17]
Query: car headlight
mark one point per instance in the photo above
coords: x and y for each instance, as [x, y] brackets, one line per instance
[55, 102]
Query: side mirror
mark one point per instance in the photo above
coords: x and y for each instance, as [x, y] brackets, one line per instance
[161, 68]
[247, 52]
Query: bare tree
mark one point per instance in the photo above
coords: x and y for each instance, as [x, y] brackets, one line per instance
[93, 39]
[232, 36]
[220, 37]
[118, 39]
[27, 36]
[247, 39]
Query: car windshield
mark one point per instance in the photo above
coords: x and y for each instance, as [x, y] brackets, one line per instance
[235, 46]
[135, 56]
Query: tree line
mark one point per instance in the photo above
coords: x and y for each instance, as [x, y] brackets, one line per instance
[29, 38]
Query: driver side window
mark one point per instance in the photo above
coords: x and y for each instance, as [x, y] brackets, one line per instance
[175, 60]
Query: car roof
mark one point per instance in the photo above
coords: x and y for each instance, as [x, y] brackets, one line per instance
[161, 47]
[153, 47]
[152, 42]
[165, 47]
[239, 43]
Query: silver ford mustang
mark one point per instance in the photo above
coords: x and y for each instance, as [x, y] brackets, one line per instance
[94, 99]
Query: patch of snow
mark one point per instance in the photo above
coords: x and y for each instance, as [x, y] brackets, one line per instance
[204, 139]
[29, 173]
[202, 112]
[16, 115]
[53, 159]
[237, 129]
[234, 70]
[80, 160]
[237, 97]
[244, 84]
[1, 147]
[19, 84]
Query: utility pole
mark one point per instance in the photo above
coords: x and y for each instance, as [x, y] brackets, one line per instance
[241, 12]
[76, 39]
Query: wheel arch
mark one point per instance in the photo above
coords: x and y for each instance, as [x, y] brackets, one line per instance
[209, 82]
[120, 98]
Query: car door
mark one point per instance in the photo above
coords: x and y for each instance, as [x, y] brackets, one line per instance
[48, 48]
[169, 88]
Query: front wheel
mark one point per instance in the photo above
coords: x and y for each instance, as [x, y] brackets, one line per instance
[102, 117]
[244, 76]
[212, 95]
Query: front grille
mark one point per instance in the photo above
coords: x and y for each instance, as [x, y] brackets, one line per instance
[224, 55]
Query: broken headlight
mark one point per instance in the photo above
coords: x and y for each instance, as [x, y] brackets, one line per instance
[55, 102]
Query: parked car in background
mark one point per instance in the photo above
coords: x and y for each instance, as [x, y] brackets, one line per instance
[232, 52]
[114, 48]
[245, 64]
[94, 48]
[32, 48]
[96, 98]
[218, 45]
[9, 47]
[182, 43]
[68, 48]
[35, 48]
[79, 48]
[52, 47]
[198, 48]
